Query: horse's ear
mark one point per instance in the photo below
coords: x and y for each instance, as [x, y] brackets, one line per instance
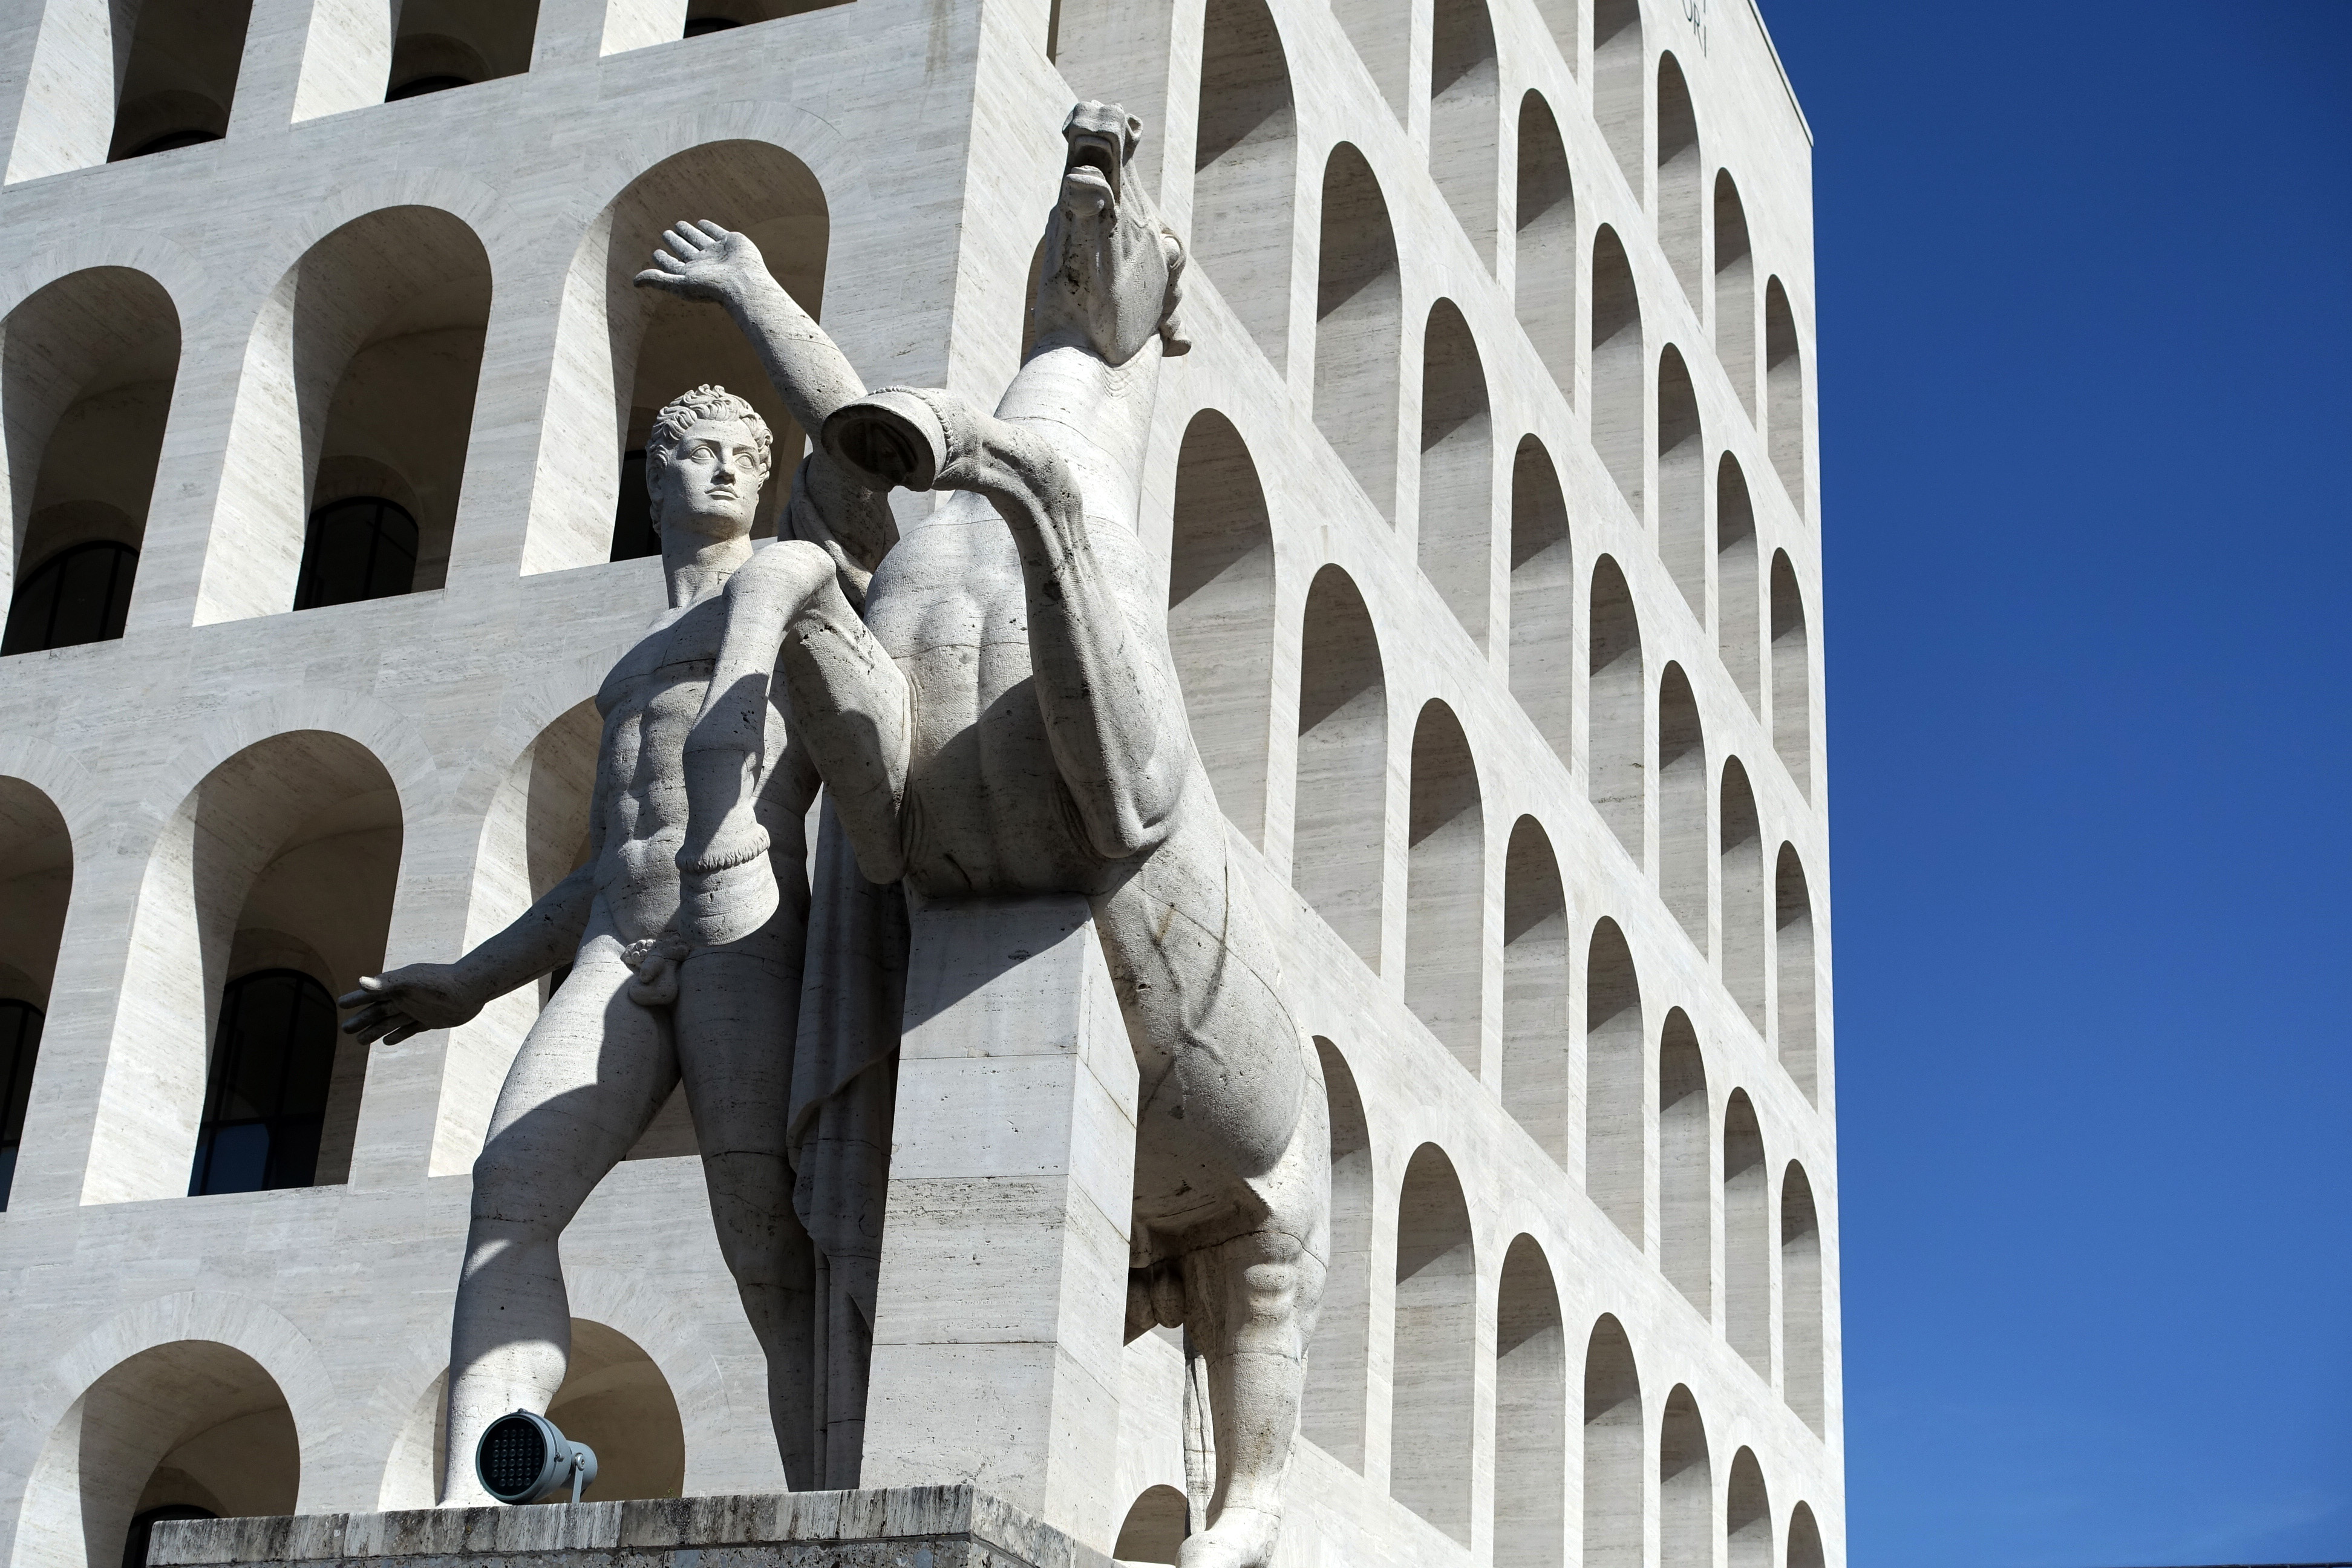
[1134, 135]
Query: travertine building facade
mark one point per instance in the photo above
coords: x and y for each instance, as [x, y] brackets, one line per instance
[1488, 500]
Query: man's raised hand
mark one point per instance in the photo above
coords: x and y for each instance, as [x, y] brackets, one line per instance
[408, 1000]
[700, 260]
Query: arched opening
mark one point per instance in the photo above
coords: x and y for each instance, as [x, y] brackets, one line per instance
[1465, 117]
[1683, 777]
[1618, 366]
[1735, 291]
[1743, 895]
[1221, 613]
[1535, 989]
[1784, 391]
[442, 44]
[20, 1047]
[1381, 32]
[1686, 1165]
[626, 351]
[1619, 72]
[1358, 326]
[1681, 180]
[86, 366]
[1612, 1450]
[1747, 1515]
[1682, 483]
[266, 1097]
[1445, 884]
[1543, 598]
[1614, 1103]
[359, 387]
[181, 77]
[1804, 1540]
[615, 1400]
[1545, 282]
[1457, 470]
[1801, 1299]
[1792, 946]
[190, 1429]
[35, 881]
[283, 858]
[1792, 675]
[1747, 1244]
[1436, 1337]
[1530, 1415]
[1154, 1528]
[1338, 849]
[1685, 1486]
[1332, 1413]
[1245, 170]
[1615, 721]
[1737, 591]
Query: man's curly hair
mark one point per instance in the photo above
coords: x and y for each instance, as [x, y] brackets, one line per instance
[705, 402]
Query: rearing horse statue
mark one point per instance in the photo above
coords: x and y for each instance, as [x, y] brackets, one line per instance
[1003, 719]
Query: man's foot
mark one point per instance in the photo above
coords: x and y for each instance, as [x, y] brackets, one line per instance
[1242, 1538]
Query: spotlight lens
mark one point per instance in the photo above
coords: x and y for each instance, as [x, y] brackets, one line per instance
[514, 1455]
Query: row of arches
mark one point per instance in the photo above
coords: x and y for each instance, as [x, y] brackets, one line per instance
[111, 80]
[347, 453]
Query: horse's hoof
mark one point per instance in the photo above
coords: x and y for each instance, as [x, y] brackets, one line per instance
[893, 435]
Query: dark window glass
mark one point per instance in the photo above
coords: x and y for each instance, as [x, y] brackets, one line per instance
[134, 1546]
[266, 1098]
[417, 87]
[171, 140]
[362, 548]
[633, 518]
[701, 26]
[20, 1042]
[77, 595]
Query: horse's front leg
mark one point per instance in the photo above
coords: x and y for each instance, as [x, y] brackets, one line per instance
[1114, 714]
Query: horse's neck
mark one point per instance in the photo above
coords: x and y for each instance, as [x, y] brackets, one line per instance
[1098, 417]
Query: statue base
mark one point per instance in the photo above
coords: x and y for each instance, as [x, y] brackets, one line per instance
[940, 1527]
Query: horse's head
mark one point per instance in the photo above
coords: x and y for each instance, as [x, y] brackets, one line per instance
[1111, 277]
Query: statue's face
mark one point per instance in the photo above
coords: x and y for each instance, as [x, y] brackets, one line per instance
[710, 486]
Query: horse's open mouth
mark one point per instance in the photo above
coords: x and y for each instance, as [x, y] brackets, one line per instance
[1094, 158]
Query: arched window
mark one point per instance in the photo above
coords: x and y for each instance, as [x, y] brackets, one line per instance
[1735, 291]
[181, 79]
[1545, 284]
[1619, 69]
[1743, 895]
[1530, 1415]
[1358, 326]
[1445, 885]
[1686, 1165]
[1615, 1107]
[80, 594]
[443, 44]
[108, 80]
[1245, 162]
[1804, 1540]
[1457, 470]
[1784, 387]
[1747, 1241]
[1221, 613]
[1682, 481]
[1792, 675]
[1681, 176]
[1543, 598]
[20, 1044]
[265, 1106]
[1792, 946]
[1464, 115]
[1612, 1450]
[1339, 833]
[1737, 590]
[1154, 1529]
[1618, 366]
[1801, 1297]
[1683, 776]
[1685, 1486]
[1436, 1319]
[1614, 776]
[634, 537]
[362, 547]
[1331, 1414]
[1747, 1515]
[1535, 989]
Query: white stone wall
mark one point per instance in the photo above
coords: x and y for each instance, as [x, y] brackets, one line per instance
[1595, 1065]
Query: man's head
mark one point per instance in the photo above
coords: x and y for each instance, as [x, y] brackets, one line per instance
[705, 462]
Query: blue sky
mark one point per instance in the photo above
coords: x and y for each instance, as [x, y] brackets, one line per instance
[2083, 273]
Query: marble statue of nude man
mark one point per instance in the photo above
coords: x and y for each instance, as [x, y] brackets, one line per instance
[641, 1008]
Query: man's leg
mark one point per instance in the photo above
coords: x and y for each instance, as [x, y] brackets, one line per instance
[736, 1010]
[591, 1074]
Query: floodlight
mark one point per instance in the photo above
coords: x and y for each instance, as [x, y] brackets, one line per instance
[521, 1457]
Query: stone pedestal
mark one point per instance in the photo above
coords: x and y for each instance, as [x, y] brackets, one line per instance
[1004, 1250]
[937, 1527]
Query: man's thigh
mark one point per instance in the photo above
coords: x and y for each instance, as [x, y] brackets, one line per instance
[736, 1010]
